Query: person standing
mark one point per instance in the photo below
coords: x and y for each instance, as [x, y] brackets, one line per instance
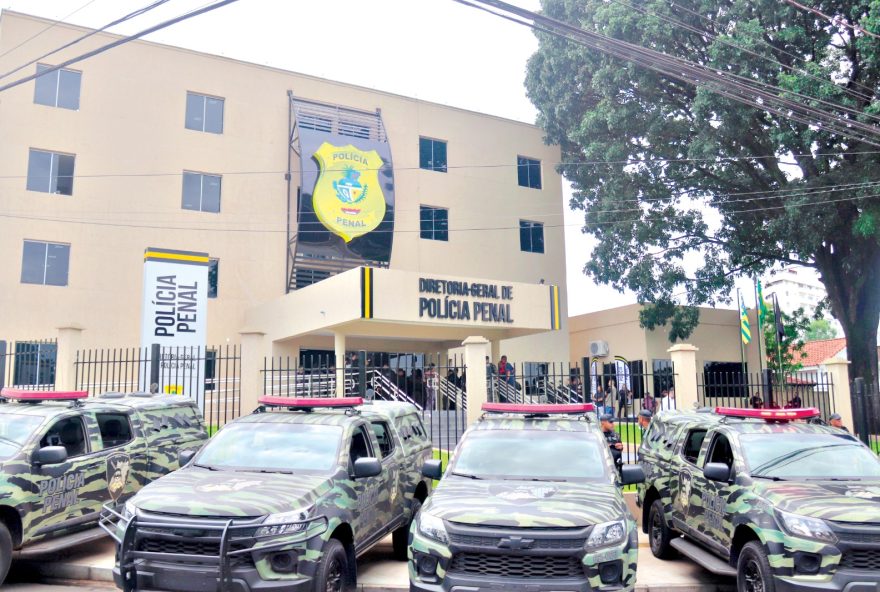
[431, 386]
[645, 416]
[610, 395]
[836, 421]
[622, 400]
[506, 371]
[612, 438]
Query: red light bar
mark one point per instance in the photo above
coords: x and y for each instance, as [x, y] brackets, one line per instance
[573, 408]
[769, 414]
[23, 395]
[310, 402]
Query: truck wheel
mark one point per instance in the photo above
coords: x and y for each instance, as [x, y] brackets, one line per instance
[659, 532]
[753, 570]
[5, 551]
[400, 537]
[333, 571]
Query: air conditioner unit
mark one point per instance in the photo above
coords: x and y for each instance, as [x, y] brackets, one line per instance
[599, 348]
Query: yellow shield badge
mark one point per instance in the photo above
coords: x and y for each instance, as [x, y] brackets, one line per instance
[348, 198]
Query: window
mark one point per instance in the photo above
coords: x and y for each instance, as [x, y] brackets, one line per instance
[115, 429]
[204, 114]
[45, 263]
[531, 236]
[692, 443]
[354, 129]
[664, 379]
[315, 122]
[201, 192]
[360, 445]
[213, 277]
[34, 363]
[57, 89]
[384, 437]
[528, 172]
[721, 451]
[432, 154]
[50, 172]
[69, 433]
[434, 223]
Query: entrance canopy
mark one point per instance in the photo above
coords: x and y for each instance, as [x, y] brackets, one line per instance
[392, 304]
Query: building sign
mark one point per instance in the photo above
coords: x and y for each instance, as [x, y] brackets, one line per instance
[174, 315]
[465, 301]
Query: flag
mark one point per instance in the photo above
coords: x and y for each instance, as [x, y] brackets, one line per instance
[777, 316]
[762, 306]
[744, 327]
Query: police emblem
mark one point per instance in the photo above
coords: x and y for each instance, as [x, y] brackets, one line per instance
[348, 198]
[118, 469]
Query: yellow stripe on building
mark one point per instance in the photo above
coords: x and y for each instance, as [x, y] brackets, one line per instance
[556, 324]
[368, 277]
[176, 257]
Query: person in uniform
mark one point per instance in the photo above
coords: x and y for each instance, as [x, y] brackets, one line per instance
[835, 421]
[645, 416]
[615, 445]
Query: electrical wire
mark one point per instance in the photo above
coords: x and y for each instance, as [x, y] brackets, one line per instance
[834, 20]
[41, 31]
[120, 20]
[121, 41]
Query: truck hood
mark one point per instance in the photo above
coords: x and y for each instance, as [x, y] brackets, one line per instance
[525, 503]
[195, 491]
[841, 501]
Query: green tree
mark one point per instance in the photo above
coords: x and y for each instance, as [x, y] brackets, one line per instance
[820, 329]
[791, 347]
[710, 183]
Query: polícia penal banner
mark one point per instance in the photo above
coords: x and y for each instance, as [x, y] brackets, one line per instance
[175, 311]
[346, 202]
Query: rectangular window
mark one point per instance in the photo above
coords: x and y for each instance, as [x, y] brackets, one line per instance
[432, 154]
[315, 122]
[45, 263]
[531, 236]
[204, 113]
[384, 437]
[59, 88]
[213, 276]
[201, 192]
[34, 363]
[528, 172]
[434, 223]
[355, 130]
[50, 172]
[115, 429]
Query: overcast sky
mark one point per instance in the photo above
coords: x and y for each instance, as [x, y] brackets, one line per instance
[436, 50]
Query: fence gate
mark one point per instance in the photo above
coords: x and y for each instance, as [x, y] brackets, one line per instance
[28, 364]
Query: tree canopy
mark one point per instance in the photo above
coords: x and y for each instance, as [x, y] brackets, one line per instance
[685, 189]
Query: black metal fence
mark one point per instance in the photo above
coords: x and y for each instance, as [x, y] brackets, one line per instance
[28, 364]
[211, 375]
[866, 413]
[767, 390]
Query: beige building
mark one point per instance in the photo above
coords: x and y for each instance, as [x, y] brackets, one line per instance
[148, 145]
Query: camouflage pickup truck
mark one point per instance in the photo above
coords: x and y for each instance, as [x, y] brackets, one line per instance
[531, 501]
[63, 456]
[283, 499]
[764, 496]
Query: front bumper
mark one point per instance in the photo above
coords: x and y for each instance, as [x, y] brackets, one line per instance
[150, 575]
[841, 581]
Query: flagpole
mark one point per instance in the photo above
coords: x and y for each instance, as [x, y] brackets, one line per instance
[777, 322]
[760, 329]
[742, 350]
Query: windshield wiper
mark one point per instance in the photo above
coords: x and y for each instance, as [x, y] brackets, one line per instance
[770, 477]
[466, 475]
[10, 441]
[789, 457]
[209, 467]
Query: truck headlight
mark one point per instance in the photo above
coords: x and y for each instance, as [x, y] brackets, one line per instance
[432, 527]
[129, 510]
[806, 527]
[285, 523]
[607, 533]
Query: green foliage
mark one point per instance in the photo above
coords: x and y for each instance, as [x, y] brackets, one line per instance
[820, 329]
[791, 347]
[711, 184]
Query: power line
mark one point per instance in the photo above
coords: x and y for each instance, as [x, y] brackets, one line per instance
[836, 21]
[127, 17]
[41, 31]
[121, 41]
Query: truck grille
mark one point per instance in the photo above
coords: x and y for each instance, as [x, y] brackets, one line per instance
[867, 559]
[538, 544]
[859, 537]
[516, 566]
[184, 547]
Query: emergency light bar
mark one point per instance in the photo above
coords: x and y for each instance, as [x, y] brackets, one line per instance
[310, 402]
[532, 409]
[23, 395]
[769, 414]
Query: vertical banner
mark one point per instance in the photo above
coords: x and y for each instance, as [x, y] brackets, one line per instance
[175, 311]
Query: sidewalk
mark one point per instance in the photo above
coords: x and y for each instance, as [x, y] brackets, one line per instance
[378, 572]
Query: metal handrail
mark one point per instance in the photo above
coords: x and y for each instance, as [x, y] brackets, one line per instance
[453, 393]
[382, 384]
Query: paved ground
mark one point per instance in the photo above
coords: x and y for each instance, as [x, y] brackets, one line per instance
[89, 568]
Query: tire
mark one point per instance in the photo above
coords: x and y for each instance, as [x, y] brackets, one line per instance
[5, 551]
[659, 533]
[333, 573]
[753, 570]
[400, 537]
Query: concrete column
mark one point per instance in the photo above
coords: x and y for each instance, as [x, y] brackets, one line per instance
[838, 370]
[495, 352]
[69, 340]
[339, 350]
[253, 354]
[684, 364]
[475, 351]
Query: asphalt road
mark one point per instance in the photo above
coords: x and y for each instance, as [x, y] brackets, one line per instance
[22, 579]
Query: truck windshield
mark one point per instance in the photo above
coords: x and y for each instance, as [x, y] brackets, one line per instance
[15, 429]
[531, 454]
[808, 456]
[274, 447]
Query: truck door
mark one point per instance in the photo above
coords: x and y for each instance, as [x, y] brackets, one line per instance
[368, 491]
[707, 513]
[685, 465]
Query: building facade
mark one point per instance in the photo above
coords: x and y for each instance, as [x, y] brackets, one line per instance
[151, 146]
[795, 287]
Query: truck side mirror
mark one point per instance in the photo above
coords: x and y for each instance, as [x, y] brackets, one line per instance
[184, 456]
[367, 467]
[717, 472]
[433, 469]
[632, 474]
[50, 455]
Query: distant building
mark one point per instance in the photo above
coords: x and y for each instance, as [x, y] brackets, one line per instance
[795, 287]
